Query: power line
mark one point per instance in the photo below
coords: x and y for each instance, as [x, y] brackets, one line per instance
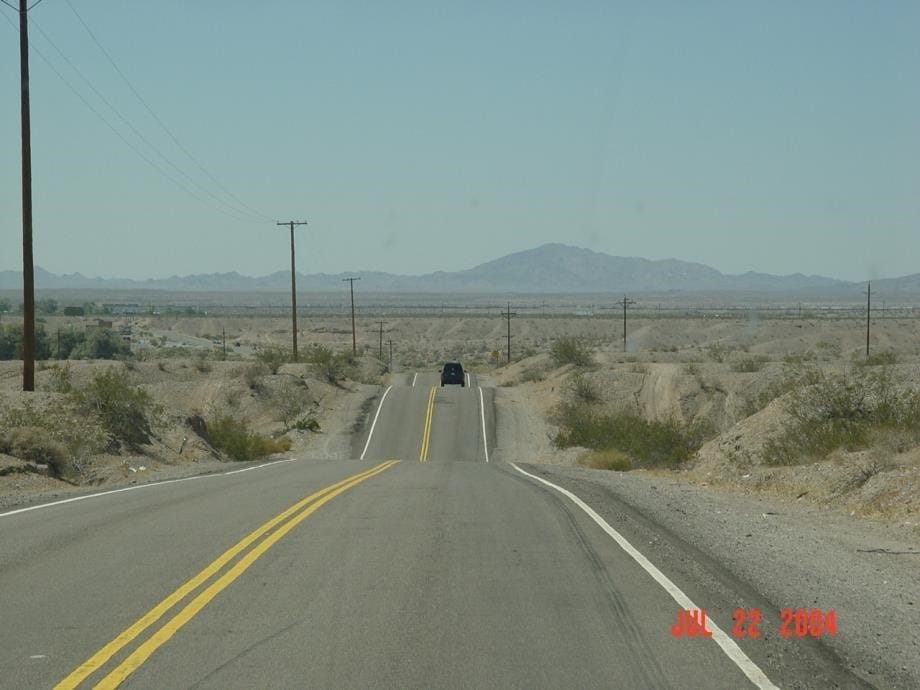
[127, 143]
[159, 121]
[139, 134]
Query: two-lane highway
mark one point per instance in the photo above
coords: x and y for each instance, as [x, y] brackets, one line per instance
[400, 570]
[425, 421]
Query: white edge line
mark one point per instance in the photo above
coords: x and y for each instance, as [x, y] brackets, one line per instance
[141, 486]
[414, 376]
[482, 415]
[374, 423]
[728, 645]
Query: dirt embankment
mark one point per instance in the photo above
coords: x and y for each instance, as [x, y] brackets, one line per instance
[295, 405]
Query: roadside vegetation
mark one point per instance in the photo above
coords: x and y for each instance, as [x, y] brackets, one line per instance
[65, 344]
[63, 434]
[851, 410]
[569, 350]
[232, 437]
[627, 440]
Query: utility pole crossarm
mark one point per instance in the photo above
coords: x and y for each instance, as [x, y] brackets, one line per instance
[292, 224]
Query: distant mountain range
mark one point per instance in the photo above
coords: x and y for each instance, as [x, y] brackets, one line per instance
[551, 268]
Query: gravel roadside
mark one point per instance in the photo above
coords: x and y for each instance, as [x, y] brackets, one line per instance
[784, 553]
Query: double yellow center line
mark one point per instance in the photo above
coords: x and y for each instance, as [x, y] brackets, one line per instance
[284, 522]
[426, 430]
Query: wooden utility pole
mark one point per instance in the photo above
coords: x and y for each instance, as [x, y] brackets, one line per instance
[868, 313]
[291, 224]
[508, 314]
[354, 339]
[391, 353]
[28, 276]
[626, 302]
[380, 346]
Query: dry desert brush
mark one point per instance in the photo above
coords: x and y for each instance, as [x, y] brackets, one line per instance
[125, 411]
[848, 410]
[571, 351]
[233, 438]
[644, 442]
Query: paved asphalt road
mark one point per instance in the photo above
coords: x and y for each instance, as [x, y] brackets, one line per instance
[440, 570]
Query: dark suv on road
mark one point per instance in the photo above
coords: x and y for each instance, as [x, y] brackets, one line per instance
[453, 373]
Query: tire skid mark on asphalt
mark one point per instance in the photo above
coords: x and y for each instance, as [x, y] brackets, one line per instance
[731, 649]
[284, 522]
[652, 673]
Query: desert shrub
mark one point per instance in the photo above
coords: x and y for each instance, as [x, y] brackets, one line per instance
[232, 437]
[794, 359]
[876, 359]
[290, 399]
[570, 350]
[831, 350]
[34, 444]
[11, 342]
[58, 435]
[97, 344]
[124, 410]
[846, 410]
[60, 376]
[648, 442]
[611, 459]
[717, 353]
[332, 366]
[691, 369]
[254, 375]
[749, 364]
[307, 424]
[584, 390]
[273, 358]
[533, 374]
[202, 365]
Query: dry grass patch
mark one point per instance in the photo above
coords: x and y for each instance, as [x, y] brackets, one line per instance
[610, 459]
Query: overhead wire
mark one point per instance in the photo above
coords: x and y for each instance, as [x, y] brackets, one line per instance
[136, 132]
[158, 120]
[124, 139]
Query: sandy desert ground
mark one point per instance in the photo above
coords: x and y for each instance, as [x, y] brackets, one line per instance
[725, 372]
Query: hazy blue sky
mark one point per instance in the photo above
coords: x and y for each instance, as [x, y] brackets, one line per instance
[418, 136]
